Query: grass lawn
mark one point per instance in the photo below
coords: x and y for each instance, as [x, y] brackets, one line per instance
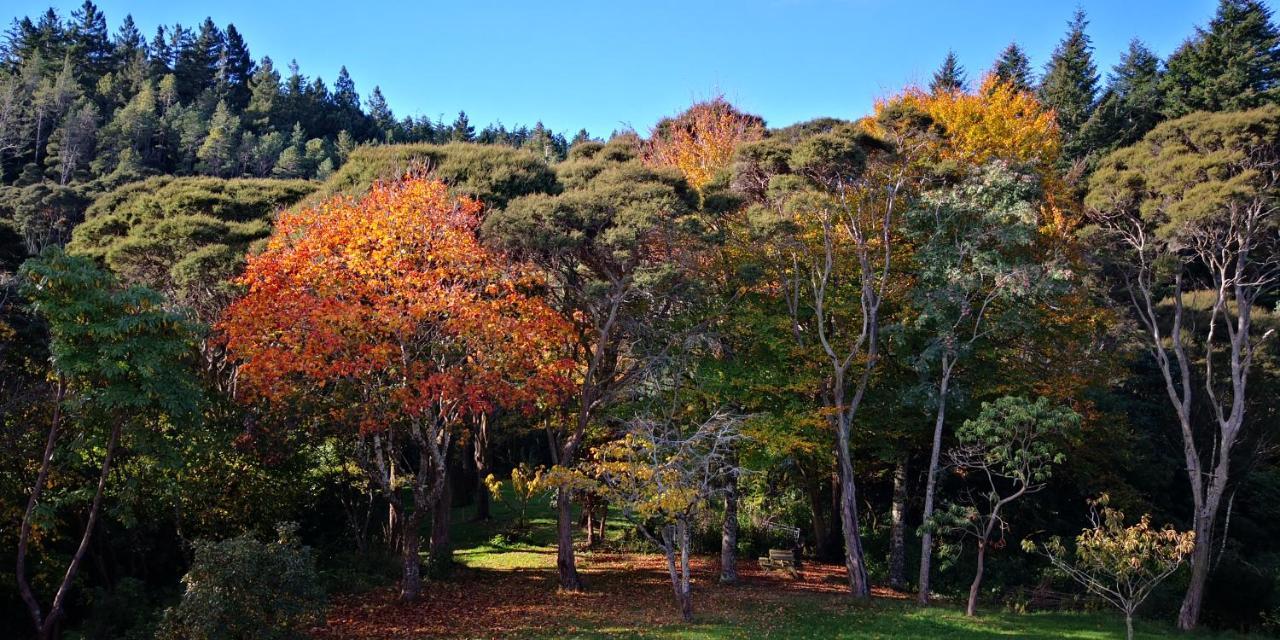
[508, 590]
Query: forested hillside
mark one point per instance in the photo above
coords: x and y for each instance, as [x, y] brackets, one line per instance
[275, 363]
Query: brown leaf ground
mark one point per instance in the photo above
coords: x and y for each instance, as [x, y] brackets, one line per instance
[624, 592]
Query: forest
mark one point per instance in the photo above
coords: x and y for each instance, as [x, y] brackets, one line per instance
[998, 358]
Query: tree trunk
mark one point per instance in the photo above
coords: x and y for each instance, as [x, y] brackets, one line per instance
[24, 535]
[729, 533]
[897, 531]
[821, 531]
[686, 589]
[1189, 613]
[972, 609]
[481, 458]
[1128, 625]
[853, 555]
[410, 565]
[440, 555]
[565, 563]
[49, 630]
[931, 487]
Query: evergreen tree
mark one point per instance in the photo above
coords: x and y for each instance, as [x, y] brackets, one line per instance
[292, 161]
[462, 131]
[198, 61]
[380, 112]
[1130, 106]
[217, 154]
[1070, 85]
[1014, 67]
[580, 137]
[128, 41]
[264, 98]
[1231, 66]
[238, 69]
[160, 53]
[949, 77]
[91, 48]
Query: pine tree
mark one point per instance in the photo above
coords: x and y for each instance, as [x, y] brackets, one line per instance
[217, 151]
[380, 112]
[264, 98]
[1013, 67]
[1130, 106]
[1231, 66]
[949, 77]
[462, 131]
[160, 53]
[580, 137]
[238, 69]
[128, 41]
[1070, 85]
[292, 161]
[90, 43]
[197, 62]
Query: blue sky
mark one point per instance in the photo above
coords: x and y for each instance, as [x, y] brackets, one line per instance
[608, 64]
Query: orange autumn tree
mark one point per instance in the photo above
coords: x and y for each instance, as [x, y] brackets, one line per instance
[701, 141]
[386, 317]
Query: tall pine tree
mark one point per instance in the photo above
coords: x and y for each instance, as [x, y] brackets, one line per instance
[1013, 67]
[1130, 106]
[1070, 85]
[1231, 66]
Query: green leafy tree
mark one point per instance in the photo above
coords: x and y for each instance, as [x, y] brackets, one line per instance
[121, 362]
[217, 154]
[1192, 208]
[978, 279]
[1012, 446]
[243, 589]
[608, 242]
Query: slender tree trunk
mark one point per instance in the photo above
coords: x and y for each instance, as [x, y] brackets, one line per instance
[590, 526]
[931, 486]
[686, 589]
[729, 533]
[897, 530]
[604, 515]
[821, 532]
[24, 535]
[972, 608]
[565, 562]
[410, 565]
[481, 458]
[1128, 625]
[853, 554]
[48, 631]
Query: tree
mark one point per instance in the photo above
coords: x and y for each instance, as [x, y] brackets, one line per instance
[949, 77]
[1070, 85]
[664, 475]
[217, 152]
[841, 192]
[388, 317]
[1013, 444]
[978, 278]
[701, 141]
[264, 96]
[1231, 66]
[237, 69]
[1192, 208]
[1131, 105]
[611, 244]
[1120, 564]
[461, 129]
[1013, 67]
[120, 363]
[381, 114]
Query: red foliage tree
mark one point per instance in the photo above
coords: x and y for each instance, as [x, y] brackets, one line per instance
[386, 317]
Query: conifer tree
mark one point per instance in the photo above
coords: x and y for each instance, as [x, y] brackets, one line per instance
[949, 77]
[1014, 67]
[1231, 66]
[1070, 84]
[1130, 106]
[462, 131]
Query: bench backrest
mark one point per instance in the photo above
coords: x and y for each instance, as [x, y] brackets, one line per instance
[779, 554]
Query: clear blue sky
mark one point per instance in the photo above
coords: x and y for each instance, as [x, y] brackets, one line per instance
[607, 64]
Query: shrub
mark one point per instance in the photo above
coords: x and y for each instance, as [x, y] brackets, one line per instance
[245, 589]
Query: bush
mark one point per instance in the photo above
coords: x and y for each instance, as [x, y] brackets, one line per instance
[243, 588]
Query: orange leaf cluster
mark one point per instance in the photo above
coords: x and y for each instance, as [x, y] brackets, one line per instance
[393, 299]
[701, 141]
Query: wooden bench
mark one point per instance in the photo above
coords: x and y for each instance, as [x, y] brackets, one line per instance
[781, 560]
